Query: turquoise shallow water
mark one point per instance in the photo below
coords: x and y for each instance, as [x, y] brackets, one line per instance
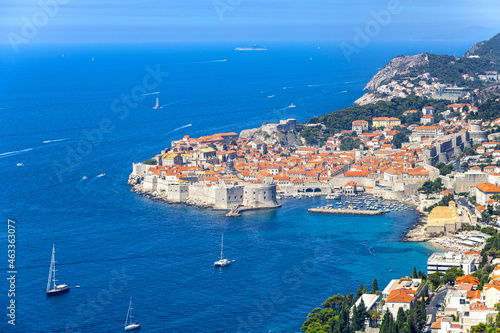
[116, 244]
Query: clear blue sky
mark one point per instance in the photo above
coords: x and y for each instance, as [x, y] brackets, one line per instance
[246, 20]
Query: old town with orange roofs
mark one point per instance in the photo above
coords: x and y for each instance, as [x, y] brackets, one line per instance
[448, 171]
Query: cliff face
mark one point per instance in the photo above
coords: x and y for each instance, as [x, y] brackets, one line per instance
[489, 49]
[288, 138]
[474, 49]
[398, 65]
[367, 98]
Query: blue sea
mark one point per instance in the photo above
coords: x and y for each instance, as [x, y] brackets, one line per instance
[66, 113]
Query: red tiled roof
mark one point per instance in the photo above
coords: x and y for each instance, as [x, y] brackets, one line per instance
[400, 296]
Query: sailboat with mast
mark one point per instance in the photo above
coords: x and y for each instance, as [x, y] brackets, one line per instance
[157, 106]
[223, 261]
[52, 287]
[129, 325]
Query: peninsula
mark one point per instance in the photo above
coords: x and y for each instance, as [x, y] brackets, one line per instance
[425, 142]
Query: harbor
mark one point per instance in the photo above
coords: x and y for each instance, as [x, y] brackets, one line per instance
[363, 202]
[331, 210]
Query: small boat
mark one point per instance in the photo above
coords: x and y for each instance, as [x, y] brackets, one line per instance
[84, 177]
[20, 164]
[102, 174]
[157, 106]
[129, 325]
[223, 262]
[292, 105]
[56, 289]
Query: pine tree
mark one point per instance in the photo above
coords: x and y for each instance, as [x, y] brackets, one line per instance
[386, 326]
[421, 275]
[362, 312]
[400, 319]
[421, 314]
[484, 260]
[409, 322]
[374, 286]
[360, 290]
[354, 319]
[414, 274]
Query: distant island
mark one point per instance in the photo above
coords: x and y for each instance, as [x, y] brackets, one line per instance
[251, 48]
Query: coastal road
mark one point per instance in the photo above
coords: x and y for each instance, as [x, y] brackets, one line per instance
[433, 308]
[465, 203]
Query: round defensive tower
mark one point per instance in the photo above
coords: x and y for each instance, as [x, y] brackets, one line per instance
[476, 132]
[260, 196]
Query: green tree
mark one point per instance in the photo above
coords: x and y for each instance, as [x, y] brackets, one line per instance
[400, 320]
[361, 290]
[151, 161]
[354, 319]
[435, 279]
[334, 302]
[479, 328]
[387, 323]
[444, 169]
[361, 314]
[414, 274]
[451, 274]
[374, 286]
[399, 139]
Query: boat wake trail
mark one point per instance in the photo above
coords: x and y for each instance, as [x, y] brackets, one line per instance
[153, 93]
[179, 128]
[168, 104]
[342, 92]
[10, 153]
[208, 61]
[271, 96]
[57, 140]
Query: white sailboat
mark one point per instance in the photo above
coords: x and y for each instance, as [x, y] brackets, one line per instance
[51, 283]
[223, 261]
[157, 106]
[129, 325]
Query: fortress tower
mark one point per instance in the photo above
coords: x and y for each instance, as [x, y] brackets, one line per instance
[476, 132]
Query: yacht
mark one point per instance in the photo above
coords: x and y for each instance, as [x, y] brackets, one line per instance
[52, 287]
[157, 106]
[223, 262]
[129, 325]
[251, 48]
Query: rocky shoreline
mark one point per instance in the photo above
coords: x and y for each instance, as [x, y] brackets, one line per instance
[416, 233]
[155, 196]
[137, 187]
[368, 98]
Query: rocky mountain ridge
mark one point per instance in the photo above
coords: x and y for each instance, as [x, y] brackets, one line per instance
[397, 66]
